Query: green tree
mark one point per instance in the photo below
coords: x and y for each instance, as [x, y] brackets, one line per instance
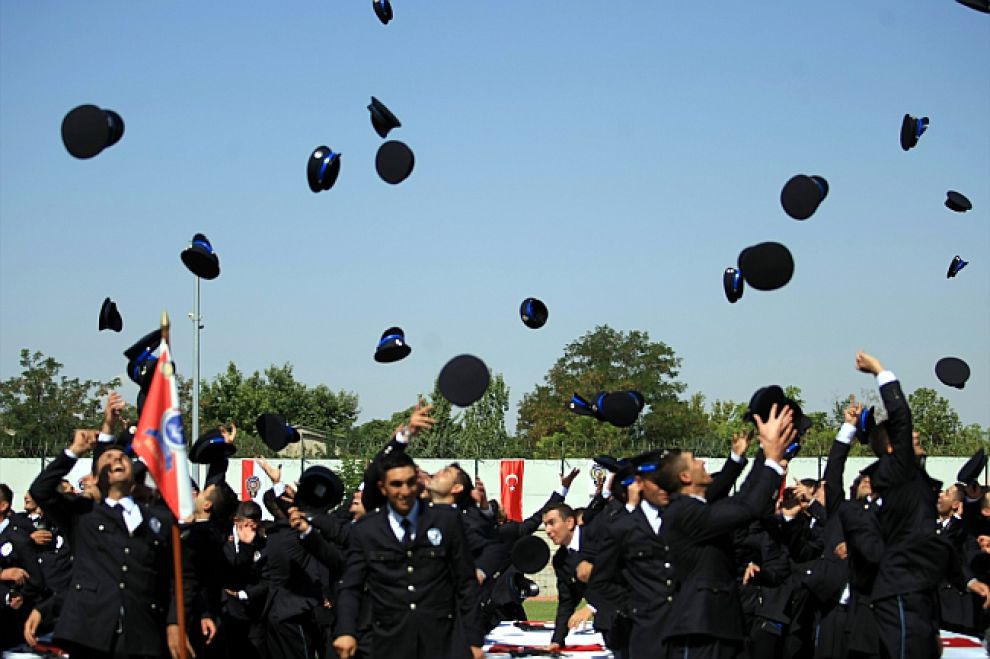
[602, 360]
[40, 408]
[935, 420]
[232, 397]
[483, 432]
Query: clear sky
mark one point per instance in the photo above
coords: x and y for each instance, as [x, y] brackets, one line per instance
[610, 158]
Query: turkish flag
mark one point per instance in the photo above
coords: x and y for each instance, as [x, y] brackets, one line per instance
[511, 490]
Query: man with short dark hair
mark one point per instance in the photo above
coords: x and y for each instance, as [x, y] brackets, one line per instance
[706, 619]
[412, 558]
[563, 531]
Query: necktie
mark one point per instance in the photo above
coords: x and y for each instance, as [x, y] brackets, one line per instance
[406, 532]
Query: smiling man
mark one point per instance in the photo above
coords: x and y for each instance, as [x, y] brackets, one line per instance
[411, 558]
[120, 592]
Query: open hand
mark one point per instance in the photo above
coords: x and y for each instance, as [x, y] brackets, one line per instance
[868, 363]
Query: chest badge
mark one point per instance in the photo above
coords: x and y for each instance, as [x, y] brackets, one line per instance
[434, 536]
[6, 549]
[155, 525]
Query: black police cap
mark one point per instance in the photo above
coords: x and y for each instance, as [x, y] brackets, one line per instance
[464, 380]
[530, 554]
[952, 372]
[394, 162]
[382, 119]
[319, 489]
[383, 10]
[322, 168]
[762, 400]
[609, 463]
[911, 130]
[200, 258]
[957, 201]
[533, 313]
[392, 346]
[978, 5]
[802, 195]
[732, 282]
[766, 266]
[110, 317]
[955, 266]
[275, 431]
[211, 448]
[621, 408]
[88, 129]
[866, 423]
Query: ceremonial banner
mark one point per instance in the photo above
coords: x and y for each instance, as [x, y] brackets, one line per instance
[511, 490]
[160, 442]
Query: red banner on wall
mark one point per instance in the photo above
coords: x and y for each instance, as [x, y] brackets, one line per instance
[512, 488]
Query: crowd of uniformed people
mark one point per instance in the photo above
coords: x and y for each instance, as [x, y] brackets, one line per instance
[666, 560]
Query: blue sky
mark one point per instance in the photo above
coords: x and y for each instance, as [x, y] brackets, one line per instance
[609, 158]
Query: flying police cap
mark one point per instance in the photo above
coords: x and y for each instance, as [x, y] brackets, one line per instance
[911, 130]
[533, 313]
[110, 317]
[319, 489]
[957, 201]
[762, 400]
[275, 431]
[200, 258]
[394, 162]
[732, 282]
[382, 119]
[766, 266]
[88, 129]
[952, 372]
[322, 168]
[973, 469]
[383, 10]
[530, 554]
[955, 266]
[392, 346]
[621, 408]
[464, 380]
[802, 195]
[211, 448]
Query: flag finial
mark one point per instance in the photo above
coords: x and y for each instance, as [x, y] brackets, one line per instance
[165, 326]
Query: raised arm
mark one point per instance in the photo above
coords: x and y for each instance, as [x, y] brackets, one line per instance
[834, 488]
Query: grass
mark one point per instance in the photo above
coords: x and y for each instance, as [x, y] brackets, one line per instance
[541, 609]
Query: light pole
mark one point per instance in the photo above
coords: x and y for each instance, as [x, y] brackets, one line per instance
[203, 263]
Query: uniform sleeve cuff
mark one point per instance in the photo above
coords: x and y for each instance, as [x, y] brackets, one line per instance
[846, 433]
[773, 465]
[885, 377]
[71, 454]
[736, 458]
[562, 491]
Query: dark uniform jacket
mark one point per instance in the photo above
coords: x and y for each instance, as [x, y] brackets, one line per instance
[120, 580]
[914, 558]
[570, 590]
[423, 599]
[701, 537]
[297, 570]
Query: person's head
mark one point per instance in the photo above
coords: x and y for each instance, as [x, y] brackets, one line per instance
[651, 490]
[6, 501]
[114, 472]
[950, 501]
[217, 502]
[30, 507]
[680, 470]
[559, 521]
[451, 485]
[861, 487]
[399, 482]
[66, 487]
[247, 514]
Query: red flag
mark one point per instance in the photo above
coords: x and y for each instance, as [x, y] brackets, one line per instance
[247, 474]
[511, 490]
[159, 440]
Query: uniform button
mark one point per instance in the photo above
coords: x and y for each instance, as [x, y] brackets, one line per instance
[807, 571]
[123, 568]
[669, 598]
[154, 606]
[409, 554]
[121, 584]
[411, 587]
[412, 606]
[100, 527]
[409, 569]
[39, 560]
[667, 565]
[669, 582]
[127, 550]
[78, 587]
[635, 610]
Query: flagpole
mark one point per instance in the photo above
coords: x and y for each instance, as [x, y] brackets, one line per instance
[180, 600]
